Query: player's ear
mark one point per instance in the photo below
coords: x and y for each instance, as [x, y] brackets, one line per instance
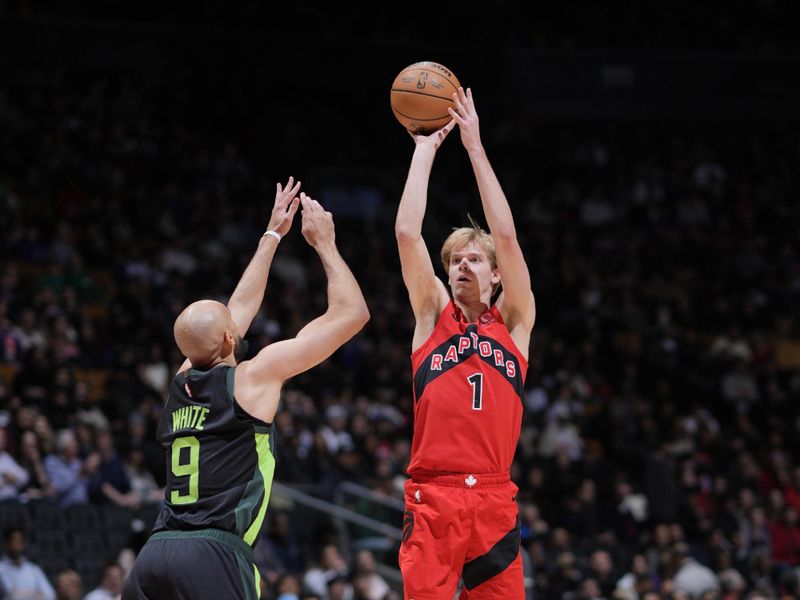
[495, 277]
[228, 343]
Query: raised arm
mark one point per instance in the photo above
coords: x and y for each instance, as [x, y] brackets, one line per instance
[249, 293]
[258, 381]
[426, 292]
[516, 302]
[246, 299]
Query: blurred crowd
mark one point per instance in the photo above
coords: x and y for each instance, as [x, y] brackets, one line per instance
[753, 27]
[659, 451]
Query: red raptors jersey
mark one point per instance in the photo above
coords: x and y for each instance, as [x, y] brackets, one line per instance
[468, 385]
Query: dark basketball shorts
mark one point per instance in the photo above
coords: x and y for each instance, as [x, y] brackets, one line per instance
[461, 526]
[193, 565]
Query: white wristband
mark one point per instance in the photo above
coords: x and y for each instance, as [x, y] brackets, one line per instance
[274, 234]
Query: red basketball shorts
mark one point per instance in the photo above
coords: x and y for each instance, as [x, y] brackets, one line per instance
[461, 526]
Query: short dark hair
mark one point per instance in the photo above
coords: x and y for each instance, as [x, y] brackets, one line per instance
[11, 531]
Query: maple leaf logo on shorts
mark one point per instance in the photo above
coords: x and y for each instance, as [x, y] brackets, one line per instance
[408, 525]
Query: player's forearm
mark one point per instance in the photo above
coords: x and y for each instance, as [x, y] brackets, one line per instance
[344, 294]
[413, 202]
[495, 205]
[249, 293]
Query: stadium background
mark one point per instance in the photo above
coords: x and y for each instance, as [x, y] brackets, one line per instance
[649, 153]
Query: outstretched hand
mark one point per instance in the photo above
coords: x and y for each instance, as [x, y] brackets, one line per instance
[317, 222]
[286, 204]
[435, 139]
[466, 116]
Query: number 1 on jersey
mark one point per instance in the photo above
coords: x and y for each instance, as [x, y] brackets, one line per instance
[476, 381]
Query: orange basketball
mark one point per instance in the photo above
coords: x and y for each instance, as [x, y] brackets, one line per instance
[421, 94]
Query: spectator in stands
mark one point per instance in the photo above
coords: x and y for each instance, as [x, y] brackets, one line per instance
[144, 489]
[628, 584]
[732, 584]
[110, 587]
[13, 477]
[44, 432]
[152, 453]
[589, 589]
[68, 474]
[277, 550]
[339, 588]
[23, 579]
[109, 482]
[337, 438]
[791, 583]
[28, 332]
[601, 570]
[287, 588]
[69, 586]
[785, 538]
[330, 565]
[367, 583]
[567, 578]
[38, 485]
[691, 577]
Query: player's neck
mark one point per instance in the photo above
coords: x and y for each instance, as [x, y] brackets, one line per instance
[227, 360]
[472, 310]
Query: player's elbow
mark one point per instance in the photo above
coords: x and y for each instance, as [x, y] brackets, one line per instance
[360, 316]
[351, 317]
[505, 233]
[405, 233]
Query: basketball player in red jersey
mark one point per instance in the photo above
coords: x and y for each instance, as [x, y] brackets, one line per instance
[469, 360]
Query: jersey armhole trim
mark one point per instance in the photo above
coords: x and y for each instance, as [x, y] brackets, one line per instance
[427, 342]
[237, 408]
[502, 321]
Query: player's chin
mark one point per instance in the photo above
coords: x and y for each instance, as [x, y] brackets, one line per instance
[463, 292]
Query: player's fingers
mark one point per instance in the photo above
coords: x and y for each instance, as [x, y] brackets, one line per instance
[446, 130]
[293, 208]
[462, 96]
[278, 189]
[457, 102]
[292, 193]
[471, 102]
[285, 188]
[304, 201]
[456, 117]
[286, 192]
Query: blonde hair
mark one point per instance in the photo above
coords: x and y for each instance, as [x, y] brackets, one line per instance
[463, 236]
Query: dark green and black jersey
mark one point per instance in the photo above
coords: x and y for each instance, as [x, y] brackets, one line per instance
[219, 459]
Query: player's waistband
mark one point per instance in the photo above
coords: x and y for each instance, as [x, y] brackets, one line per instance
[226, 537]
[462, 480]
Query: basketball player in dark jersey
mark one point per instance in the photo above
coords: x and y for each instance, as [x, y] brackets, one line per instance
[469, 360]
[217, 423]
